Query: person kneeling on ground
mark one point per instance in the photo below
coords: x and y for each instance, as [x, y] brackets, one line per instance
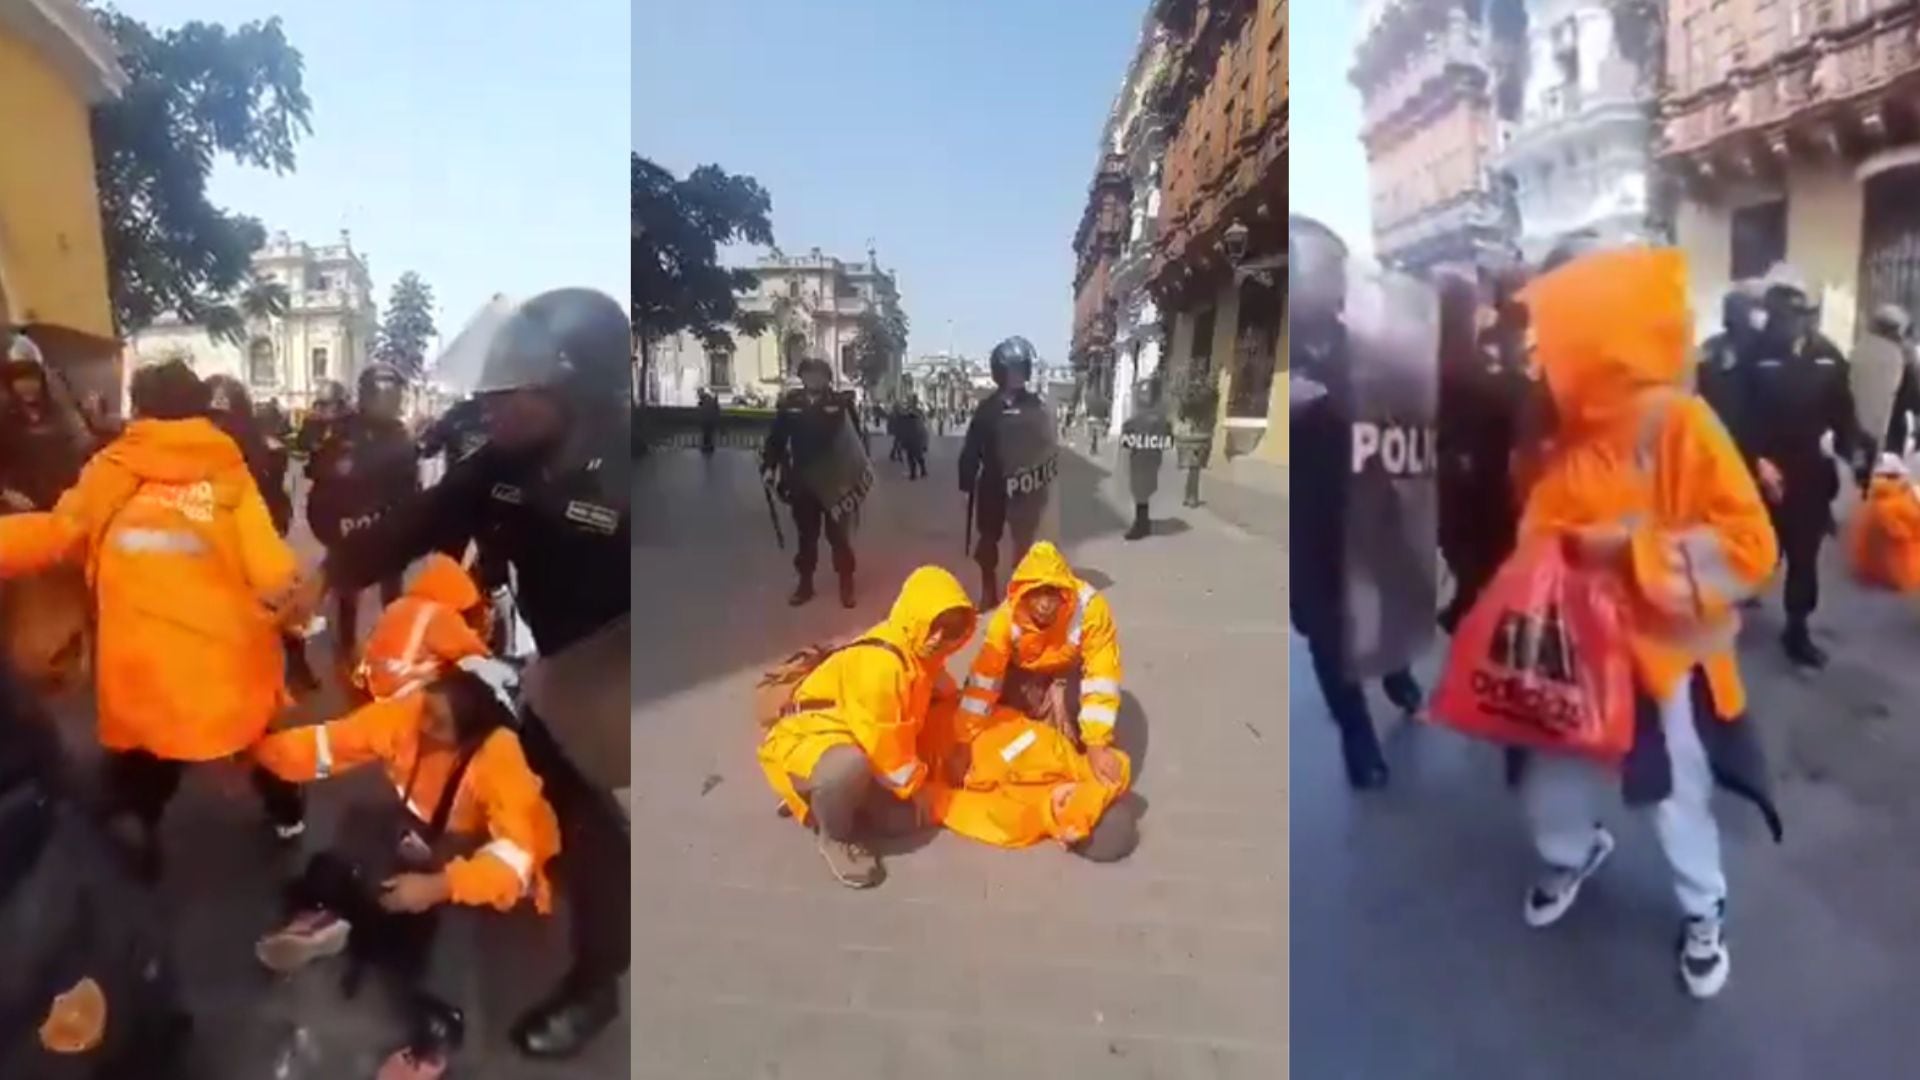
[843, 754]
[440, 621]
[471, 827]
[1029, 755]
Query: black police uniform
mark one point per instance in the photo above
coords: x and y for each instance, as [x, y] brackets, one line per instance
[564, 523]
[984, 476]
[1477, 430]
[361, 468]
[1794, 396]
[806, 430]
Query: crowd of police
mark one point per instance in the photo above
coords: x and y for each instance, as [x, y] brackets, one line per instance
[534, 494]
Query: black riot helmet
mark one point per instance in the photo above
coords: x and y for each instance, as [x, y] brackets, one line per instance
[1014, 353]
[228, 395]
[379, 391]
[1316, 272]
[811, 365]
[329, 399]
[574, 342]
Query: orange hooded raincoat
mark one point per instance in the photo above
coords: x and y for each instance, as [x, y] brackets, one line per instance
[1633, 448]
[183, 560]
[1883, 539]
[866, 697]
[500, 796]
[422, 632]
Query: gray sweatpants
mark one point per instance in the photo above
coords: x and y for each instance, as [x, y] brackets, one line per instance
[1564, 795]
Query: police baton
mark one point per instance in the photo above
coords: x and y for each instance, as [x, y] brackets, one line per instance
[773, 514]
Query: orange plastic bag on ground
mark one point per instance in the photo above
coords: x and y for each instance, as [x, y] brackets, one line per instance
[1542, 660]
[1883, 539]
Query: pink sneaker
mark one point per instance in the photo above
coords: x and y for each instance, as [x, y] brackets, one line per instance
[312, 935]
[402, 1065]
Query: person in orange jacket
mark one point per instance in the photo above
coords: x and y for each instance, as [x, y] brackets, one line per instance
[440, 621]
[472, 825]
[844, 757]
[186, 570]
[1030, 753]
[1644, 483]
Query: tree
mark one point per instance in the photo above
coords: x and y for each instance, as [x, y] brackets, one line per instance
[880, 344]
[408, 326]
[194, 94]
[679, 227]
[233, 320]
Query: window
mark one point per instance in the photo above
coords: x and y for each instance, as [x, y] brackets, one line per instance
[260, 362]
[1203, 340]
[720, 371]
[1759, 239]
[319, 357]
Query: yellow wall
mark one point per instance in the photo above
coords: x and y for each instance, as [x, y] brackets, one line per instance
[52, 259]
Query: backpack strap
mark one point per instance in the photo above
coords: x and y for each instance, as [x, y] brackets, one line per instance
[443, 809]
[801, 705]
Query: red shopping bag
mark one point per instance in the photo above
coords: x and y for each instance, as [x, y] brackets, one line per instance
[1542, 661]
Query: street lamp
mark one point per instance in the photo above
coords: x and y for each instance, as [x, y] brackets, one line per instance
[1236, 240]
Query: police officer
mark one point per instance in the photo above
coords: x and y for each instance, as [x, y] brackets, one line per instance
[552, 488]
[814, 458]
[457, 434]
[1483, 385]
[1320, 424]
[1798, 392]
[1146, 436]
[364, 463]
[1725, 357]
[1007, 462]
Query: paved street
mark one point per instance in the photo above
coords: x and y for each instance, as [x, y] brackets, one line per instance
[968, 961]
[221, 892]
[1412, 960]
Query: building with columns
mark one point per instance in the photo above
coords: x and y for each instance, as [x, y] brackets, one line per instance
[326, 333]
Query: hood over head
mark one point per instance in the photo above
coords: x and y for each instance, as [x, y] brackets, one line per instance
[443, 581]
[1043, 565]
[174, 451]
[1608, 326]
[928, 593]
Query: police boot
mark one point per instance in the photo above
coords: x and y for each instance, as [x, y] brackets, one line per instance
[802, 592]
[566, 1022]
[1141, 526]
[1360, 751]
[1798, 641]
[846, 591]
[989, 589]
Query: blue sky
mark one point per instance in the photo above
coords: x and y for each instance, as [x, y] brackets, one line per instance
[1327, 176]
[479, 142]
[960, 135]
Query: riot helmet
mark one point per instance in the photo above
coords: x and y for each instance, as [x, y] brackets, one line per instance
[228, 395]
[1890, 321]
[1316, 273]
[380, 391]
[1015, 354]
[562, 359]
[1789, 306]
[814, 365]
[329, 400]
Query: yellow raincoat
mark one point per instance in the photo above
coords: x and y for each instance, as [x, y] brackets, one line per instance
[1634, 449]
[867, 697]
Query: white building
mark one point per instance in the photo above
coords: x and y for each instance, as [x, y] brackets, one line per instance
[1579, 154]
[327, 332]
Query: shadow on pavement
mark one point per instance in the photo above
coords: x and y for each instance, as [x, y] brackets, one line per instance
[1130, 733]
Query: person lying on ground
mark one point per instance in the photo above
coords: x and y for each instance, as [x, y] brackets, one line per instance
[1030, 754]
[844, 753]
[471, 827]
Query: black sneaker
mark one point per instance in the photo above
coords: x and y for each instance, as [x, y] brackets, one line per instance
[1553, 894]
[801, 593]
[1366, 766]
[1802, 651]
[1404, 692]
[1704, 960]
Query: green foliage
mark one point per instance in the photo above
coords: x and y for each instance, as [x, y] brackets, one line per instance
[234, 319]
[407, 327]
[679, 227]
[1196, 395]
[881, 343]
[196, 93]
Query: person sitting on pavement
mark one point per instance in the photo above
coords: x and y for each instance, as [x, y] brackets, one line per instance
[844, 755]
[472, 827]
[439, 621]
[190, 584]
[1644, 483]
[1030, 753]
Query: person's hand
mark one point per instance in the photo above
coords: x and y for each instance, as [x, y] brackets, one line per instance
[295, 608]
[1599, 544]
[1672, 591]
[1105, 763]
[1772, 484]
[959, 761]
[414, 893]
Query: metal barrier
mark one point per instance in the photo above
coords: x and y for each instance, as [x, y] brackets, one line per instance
[678, 428]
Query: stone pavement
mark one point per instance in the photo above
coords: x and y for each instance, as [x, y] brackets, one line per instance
[968, 961]
[1412, 961]
[221, 892]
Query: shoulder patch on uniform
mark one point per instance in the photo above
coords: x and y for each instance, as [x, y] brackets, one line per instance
[508, 493]
[602, 519]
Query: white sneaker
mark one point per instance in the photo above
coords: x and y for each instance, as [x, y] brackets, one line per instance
[1704, 960]
[1553, 894]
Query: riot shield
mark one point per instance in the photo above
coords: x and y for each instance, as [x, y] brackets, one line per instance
[582, 693]
[1028, 451]
[841, 476]
[1391, 527]
[1878, 364]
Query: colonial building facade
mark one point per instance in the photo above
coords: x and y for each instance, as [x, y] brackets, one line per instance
[326, 334]
[1792, 132]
